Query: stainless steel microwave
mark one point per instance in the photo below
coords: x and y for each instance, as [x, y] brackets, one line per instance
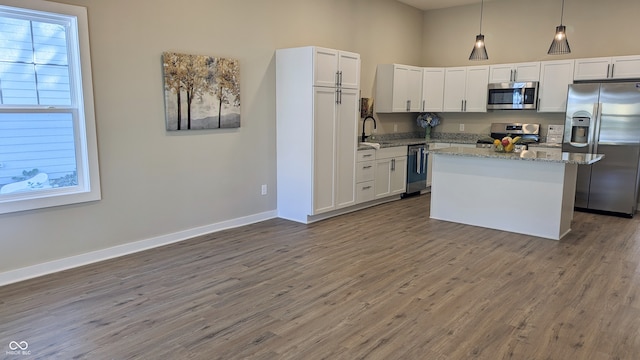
[512, 96]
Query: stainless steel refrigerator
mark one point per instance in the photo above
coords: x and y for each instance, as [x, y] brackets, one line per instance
[604, 118]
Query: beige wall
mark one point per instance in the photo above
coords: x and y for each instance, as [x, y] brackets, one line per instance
[155, 182]
[522, 30]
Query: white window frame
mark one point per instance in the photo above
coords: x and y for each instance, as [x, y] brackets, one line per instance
[88, 188]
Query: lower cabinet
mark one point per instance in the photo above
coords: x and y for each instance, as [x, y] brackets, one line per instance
[365, 174]
[391, 172]
[381, 173]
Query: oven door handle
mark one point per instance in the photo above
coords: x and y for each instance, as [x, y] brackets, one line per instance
[418, 156]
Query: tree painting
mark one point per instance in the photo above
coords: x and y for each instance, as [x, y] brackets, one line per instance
[201, 92]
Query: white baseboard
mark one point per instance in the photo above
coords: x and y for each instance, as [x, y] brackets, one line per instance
[50, 267]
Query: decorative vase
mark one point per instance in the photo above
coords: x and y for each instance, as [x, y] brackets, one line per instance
[427, 133]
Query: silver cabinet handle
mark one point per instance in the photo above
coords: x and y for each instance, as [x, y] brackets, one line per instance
[366, 187]
[337, 78]
[393, 164]
[367, 155]
[418, 156]
[340, 77]
[424, 104]
[408, 105]
[367, 167]
[608, 70]
[612, 67]
[462, 105]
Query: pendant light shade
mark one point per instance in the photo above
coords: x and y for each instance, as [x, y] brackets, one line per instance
[560, 45]
[479, 52]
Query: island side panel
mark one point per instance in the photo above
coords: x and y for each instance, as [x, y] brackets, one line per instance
[568, 198]
[512, 195]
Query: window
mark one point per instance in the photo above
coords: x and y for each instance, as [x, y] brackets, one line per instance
[48, 151]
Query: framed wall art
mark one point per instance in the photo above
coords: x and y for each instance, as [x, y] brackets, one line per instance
[200, 92]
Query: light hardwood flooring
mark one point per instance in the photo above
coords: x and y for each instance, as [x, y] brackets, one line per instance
[383, 283]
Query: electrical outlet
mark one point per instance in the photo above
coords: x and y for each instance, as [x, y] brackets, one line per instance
[264, 189]
[395, 127]
[461, 127]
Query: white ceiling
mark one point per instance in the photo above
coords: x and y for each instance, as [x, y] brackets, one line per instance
[438, 4]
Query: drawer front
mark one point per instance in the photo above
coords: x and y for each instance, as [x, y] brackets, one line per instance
[391, 152]
[365, 171]
[366, 155]
[364, 192]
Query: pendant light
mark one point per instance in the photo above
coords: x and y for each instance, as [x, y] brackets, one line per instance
[479, 52]
[560, 45]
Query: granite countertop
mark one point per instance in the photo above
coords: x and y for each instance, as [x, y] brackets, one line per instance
[527, 155]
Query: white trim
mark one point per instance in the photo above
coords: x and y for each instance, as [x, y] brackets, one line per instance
[54, 266]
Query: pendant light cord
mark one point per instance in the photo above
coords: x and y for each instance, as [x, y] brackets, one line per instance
[562, 13]
[482, 8]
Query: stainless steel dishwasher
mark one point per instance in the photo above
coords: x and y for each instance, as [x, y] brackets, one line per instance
[416, 169]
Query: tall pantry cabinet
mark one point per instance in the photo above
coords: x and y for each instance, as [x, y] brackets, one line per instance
[317, 97]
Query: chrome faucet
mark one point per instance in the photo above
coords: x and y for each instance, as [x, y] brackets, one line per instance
[364, 137]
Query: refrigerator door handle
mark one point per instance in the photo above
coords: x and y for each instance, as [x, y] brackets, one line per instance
[593, 148]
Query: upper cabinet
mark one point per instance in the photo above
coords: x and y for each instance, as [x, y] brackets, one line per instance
[465, 89]
[520, 72]
[335, 68]
[398, 88]
[603, 68]
[432, 89]
[555, 77]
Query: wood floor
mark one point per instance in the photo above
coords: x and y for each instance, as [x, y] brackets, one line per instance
[382, 283]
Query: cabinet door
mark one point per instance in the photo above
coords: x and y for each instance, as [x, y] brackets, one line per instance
[476, 89]
[591, 69]
[454, 89]
[398, 176]
[625, 67]
[349, 70]
[346, 147]
[414, 89]
[501, 73]
[324, 153]
[382, 182]
[400, 89]
[555, 77]
[432, 89]
[326, 67]
[525, 72]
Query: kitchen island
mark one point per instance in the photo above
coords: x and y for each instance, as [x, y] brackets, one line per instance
[530, 192]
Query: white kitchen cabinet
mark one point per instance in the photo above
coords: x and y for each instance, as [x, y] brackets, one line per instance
[520, 72]
[365, 175]
[465, 89]
[398, 88]
[390, 171]
[335, 68]
[316, 129]
[555, 77]
[432, 89]
[603, 68]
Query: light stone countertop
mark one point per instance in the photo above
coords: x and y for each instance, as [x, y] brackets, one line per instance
[527, 155]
